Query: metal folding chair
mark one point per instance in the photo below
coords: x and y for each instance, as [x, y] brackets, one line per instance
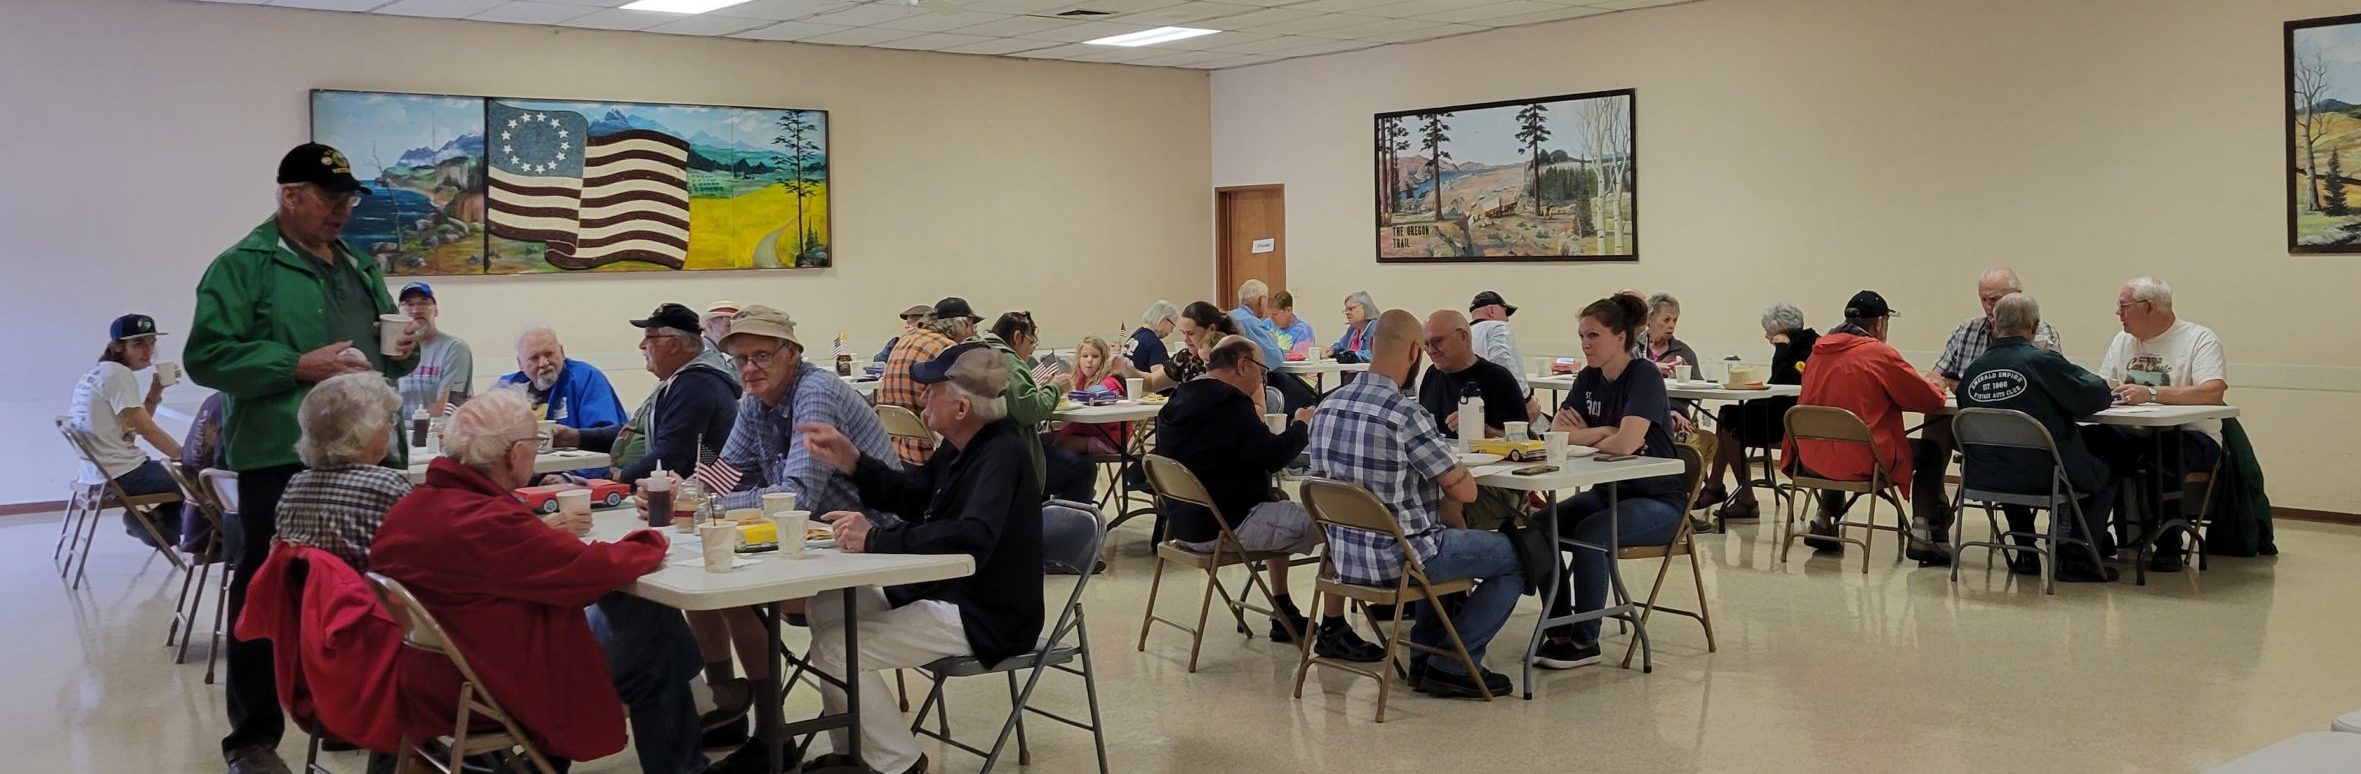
[1828, 424]
[1683, 543]
[191, 599]
[1072, 535]
[2004, 429]
[222, 485]
[421, 632]
[93, 500]
[1338, 505]
[1174, 483]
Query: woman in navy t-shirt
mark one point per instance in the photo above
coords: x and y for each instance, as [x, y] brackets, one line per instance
[1617, 405]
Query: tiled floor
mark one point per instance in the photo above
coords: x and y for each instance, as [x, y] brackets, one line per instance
[1820, 669]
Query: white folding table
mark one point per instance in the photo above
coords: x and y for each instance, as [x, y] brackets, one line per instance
[1319, 370]
[558, 461]
[1128, 413]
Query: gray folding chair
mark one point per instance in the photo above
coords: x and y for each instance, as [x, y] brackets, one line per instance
[222, 485]
[2001, 429]
[1071, 535]
[200, 564]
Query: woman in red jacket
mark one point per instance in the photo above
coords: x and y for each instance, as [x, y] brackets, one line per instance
[1853, 368]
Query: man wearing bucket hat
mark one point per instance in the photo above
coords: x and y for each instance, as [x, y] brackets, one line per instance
[1495, 341]
[1853, 368]
[110, 410]
[288, 306]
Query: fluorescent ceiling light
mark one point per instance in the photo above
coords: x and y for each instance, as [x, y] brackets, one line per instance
[680, 6]
[1150, 37]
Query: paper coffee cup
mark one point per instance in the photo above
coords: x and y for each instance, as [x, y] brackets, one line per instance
[1514, 431]
[167, 374]
[389, 333]
[777, 503]
[721, 546]
[1135, 388]
[791, 525]
[1556, 443]
[1277, 423]
[548, 432]
[573, 501]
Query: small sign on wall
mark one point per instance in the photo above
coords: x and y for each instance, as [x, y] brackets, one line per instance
[1266, 245]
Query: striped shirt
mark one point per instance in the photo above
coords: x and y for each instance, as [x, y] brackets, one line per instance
[338, 509]
[764, 446]
[1370, 433]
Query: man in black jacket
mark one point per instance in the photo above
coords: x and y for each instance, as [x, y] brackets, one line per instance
[976, 496]
[691, 410]
[2013, 374]
[1214, 427]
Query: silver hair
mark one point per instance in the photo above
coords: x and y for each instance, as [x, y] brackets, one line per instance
[1253, 290]
[1782, 317]
[981, 377]
[948, 326]
[1161, 311]
[533, 329]
[1662, 301]
[342, 416]
[2005, 273]
[2152, 290]
[1361, 299]
[2016, 314]
[484, 428]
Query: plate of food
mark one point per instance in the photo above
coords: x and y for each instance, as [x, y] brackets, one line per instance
[819, 534]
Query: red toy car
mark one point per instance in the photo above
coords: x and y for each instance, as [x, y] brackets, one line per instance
[603, 493]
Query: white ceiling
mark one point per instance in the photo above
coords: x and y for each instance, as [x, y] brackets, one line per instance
[1252, 31]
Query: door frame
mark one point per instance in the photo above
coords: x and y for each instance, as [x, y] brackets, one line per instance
[1224, 285]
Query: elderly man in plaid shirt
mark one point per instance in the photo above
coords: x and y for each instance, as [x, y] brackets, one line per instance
[1371, 433]
[1931, 454]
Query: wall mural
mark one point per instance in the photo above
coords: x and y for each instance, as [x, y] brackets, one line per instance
[1549, 179]
[2323, 127]
[477, 185]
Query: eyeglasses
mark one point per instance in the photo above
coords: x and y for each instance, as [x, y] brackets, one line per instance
[337, 201]
[2129, 304]
[760, 359]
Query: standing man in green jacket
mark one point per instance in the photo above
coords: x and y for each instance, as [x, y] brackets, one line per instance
[2015, 375]
[287, 307]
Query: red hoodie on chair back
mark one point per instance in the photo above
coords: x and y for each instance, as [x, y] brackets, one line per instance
[1865, 376]
[333, 646]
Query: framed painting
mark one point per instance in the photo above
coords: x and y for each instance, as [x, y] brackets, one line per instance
[2323, 98]
[422, 155]
[1548, 179]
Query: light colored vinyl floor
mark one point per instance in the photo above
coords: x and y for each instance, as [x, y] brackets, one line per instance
[1820, 669]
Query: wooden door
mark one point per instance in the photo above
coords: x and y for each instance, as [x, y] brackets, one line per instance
[1250, 224]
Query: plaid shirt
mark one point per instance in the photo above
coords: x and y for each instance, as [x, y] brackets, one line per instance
[338, 509]
[896, 388]
[1370, 433]
[1973, 337]
[763, 443]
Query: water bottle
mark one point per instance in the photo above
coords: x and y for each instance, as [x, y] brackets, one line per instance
[1471, 419]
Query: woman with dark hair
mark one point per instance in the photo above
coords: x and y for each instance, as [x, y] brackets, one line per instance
[1062, 474]
[1201, 325]
[1759, 424]
[1617, 404]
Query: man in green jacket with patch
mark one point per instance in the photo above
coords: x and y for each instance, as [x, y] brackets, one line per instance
[287, 307]
[2015, 375]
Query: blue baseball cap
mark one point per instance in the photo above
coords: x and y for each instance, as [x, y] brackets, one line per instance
[419, 288]
[132, 326]
[938, 370]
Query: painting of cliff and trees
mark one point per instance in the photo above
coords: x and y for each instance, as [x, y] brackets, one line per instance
[1550, 179]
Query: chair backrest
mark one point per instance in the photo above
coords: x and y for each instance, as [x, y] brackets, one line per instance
[1829, 424]
[1175, 481]
[2002, 428]
[195, 493]
[81, 447]
[902, 423]
[81, 443]
[224, 486]
[420, 631]
[1692, 474]
[1350, 506]
[1072, 537]
[1273, 400]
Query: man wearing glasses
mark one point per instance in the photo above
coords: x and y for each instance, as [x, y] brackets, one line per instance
[287, 307]
[2161, 358]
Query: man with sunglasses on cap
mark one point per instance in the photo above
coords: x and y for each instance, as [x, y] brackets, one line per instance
[110, 411]
[1495, 340]
[690, 412]
[287, 307]
[446, 366]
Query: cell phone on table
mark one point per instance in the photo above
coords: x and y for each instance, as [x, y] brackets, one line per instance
[1534, 470]
[1616, 457]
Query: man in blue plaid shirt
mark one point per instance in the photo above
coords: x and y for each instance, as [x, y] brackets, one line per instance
[1371, 433]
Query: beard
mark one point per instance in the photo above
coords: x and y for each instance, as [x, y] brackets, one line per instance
[542, 382]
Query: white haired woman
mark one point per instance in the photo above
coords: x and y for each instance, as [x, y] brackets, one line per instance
[1360, 326]
[1145, 349]
[337, 504]
[1760, 423]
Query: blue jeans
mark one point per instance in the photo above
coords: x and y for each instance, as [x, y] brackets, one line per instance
[1071, 476]
[151, 478]
[1645, 522]
[652, 658]
[1488, 558]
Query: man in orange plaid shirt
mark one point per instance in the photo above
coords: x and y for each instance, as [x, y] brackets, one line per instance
[950, 322]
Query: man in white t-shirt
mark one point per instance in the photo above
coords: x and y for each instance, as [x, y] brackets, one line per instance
[2160, 358]
[446, 366]
[1495, 341]
[109, 410]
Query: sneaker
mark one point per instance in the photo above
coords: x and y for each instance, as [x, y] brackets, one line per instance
[727, 714]
[748, 759]
[1338, 641]
[2166, 562]
[1564, 653]
[1445, 684]
[257, 759]
[2085, 572]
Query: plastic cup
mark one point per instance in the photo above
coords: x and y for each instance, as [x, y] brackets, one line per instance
[1135, 388]
[791, 525]
[389, 333]
[1277, 423]
[574, 501]
[721, 546]
[167, 374]
[1514, 431]
[777, 503]
[1555, 441]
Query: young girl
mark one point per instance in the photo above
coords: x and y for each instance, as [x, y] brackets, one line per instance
[1094, 367]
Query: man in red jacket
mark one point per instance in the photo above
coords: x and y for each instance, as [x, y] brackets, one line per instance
[1852, 368]
[511, 592]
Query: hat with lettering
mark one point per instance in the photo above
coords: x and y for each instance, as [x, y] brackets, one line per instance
[672, 316]
[132, 326]
[1867, 304]
[322, 166]
[759, 320]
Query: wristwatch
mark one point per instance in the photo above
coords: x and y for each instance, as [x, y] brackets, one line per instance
[2154, 396]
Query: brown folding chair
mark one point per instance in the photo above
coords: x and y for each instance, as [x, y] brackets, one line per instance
[200, 569]
[2201, 517]
[94, 500]
[903, 424]
[222, 488]
[1684, 543]
[1338, 505]
[420, 632]
[1174, 483]
[1829, 424]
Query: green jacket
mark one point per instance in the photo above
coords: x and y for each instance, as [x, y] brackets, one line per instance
[2014, 374]
[259, 307]
[1029, 403]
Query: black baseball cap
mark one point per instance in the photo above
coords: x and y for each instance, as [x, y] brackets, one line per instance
[415, 289]
[322, 166]
[939, 369]
[1488, 298]
[1867, 304]
[132, 326]
[955, 306]
[672, 316]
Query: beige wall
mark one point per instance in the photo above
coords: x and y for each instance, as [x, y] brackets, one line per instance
[1802, 149]
[142, 135]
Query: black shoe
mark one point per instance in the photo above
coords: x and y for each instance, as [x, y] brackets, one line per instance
[1564, 653]
[1288, 617]
[748, 759]
[724, 715]
[2085, 572]
[2166, 562]
[1445, 684]
[335, 745]
[1741, 510]
[1822, 539]
[1339, 641]
[1928, 554]
[2024, 563]
[729, 733]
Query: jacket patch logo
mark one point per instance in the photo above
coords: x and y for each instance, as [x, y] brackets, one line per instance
[1996, 386]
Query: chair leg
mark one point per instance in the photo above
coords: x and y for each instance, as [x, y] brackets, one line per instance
[1869, 534]
[1393, 647]
[1016, 717]
[221, 604]
[1148, 619]
[68, 526]
[1458, 648]
[89, 538]
[196, 611]
[1303, 645]
[1704, 613]
[180, 609]
[902, 690]
[1090, 689]
[1649, 608]
[1204, 608]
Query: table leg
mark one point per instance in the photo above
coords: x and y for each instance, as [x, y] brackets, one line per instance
[1548, 588]
[852, 674]
[770, 708]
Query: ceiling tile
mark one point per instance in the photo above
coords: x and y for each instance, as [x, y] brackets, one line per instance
[622, 20]
[1498, 9]
[1184, 58]
[937, 41]
[794, 30]
[1016, 6]
[1254, 20]
[1077, 33]
[591, 3]
[236, 2]
[1627, 5]
[1001, 46]
[1404, 9]
[866, 15]
[1424, 33]
[939, 22]
[1213, 41]
[535, 13]
[1325, 46]
[1559, 13]
[1339, 6]
[331, 5]
[1017, 26]
[1186, 14]
[1263, 3]
[1270, 45]
[1373, 28]
[447, 9]
[1117, 7]
[861, 36]
[708, 25]
[1241, 60]
[1313, 24]
[1067, 51]
[782, 10]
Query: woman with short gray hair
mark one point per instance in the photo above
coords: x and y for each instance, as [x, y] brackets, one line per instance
[1759, 424]
[1360, 327]
[337, 504]
[1145, 349]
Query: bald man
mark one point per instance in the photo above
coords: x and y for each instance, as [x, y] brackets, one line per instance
[1369, 433]
[1930, 500]
[1458, 372]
